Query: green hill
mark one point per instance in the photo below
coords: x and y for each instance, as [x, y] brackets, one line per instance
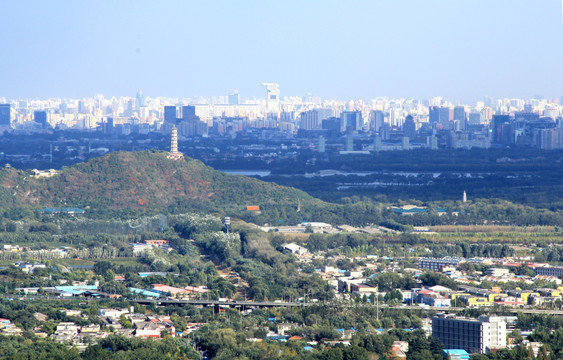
[148, 182]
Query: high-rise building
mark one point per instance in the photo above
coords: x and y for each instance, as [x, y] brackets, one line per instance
[446, 116]
[40, 117]
[474, 118]
[140, 100]
[498, 124]
[5, 114]
[434, 114]
[170, 114]
[350, 121]
[273, 97]
[188, 113]
[377, 118]
[461, 116]
[472, 335]
[310, 120]
[234, 98]
[409, 128]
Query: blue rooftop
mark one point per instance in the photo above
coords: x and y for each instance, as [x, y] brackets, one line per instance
[57, 210]
[146, 293]
[457, 353]
[76, 290]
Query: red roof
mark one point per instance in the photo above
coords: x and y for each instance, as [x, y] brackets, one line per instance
[426, 292]
[253, 208]
[512, 264]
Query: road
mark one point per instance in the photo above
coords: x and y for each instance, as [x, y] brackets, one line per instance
[270, 304]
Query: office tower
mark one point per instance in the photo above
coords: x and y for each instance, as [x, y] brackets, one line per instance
[446, 115]
[309, 120]
[377, 118]
[497, 125]
[140, 100]
[188, 113]
[396, 117]
[273, 97]
[40, 117]
[409, 128]
[170, 115]
[350, 121]
[433, 114]
[234, 98]
[322, 144]
[5, 114]
[489, 101]
[461, 116]
[472, 335]
[474, 118]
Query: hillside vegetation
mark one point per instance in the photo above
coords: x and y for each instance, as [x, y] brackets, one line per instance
[141, 182]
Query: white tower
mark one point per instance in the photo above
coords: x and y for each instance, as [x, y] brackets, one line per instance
[464, 199]
[273, 100]
[174, 140]
[174, 153]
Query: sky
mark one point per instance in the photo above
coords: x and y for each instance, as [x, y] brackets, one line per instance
[461, 50]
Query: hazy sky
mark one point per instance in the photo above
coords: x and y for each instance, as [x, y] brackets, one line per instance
[458, 49]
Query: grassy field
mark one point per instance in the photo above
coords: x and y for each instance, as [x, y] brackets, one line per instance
[513, 235]
[492, 229]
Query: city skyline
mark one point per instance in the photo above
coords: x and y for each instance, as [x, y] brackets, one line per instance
[459, 50]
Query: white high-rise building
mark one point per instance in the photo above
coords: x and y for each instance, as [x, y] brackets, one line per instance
[273, 99]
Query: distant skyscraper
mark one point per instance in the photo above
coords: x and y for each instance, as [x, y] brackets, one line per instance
[140, 100]
[474, 118]
[40, 117]
[434, 114]
[461, 116]
[188, 113]
[82, 107]
[170, 114]
[409, 127]
[273, 99]
[5, 114]
[234, 98]
[497, 126]
[377, 118]
[310, 120]
[350, 121]
[446, 115]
